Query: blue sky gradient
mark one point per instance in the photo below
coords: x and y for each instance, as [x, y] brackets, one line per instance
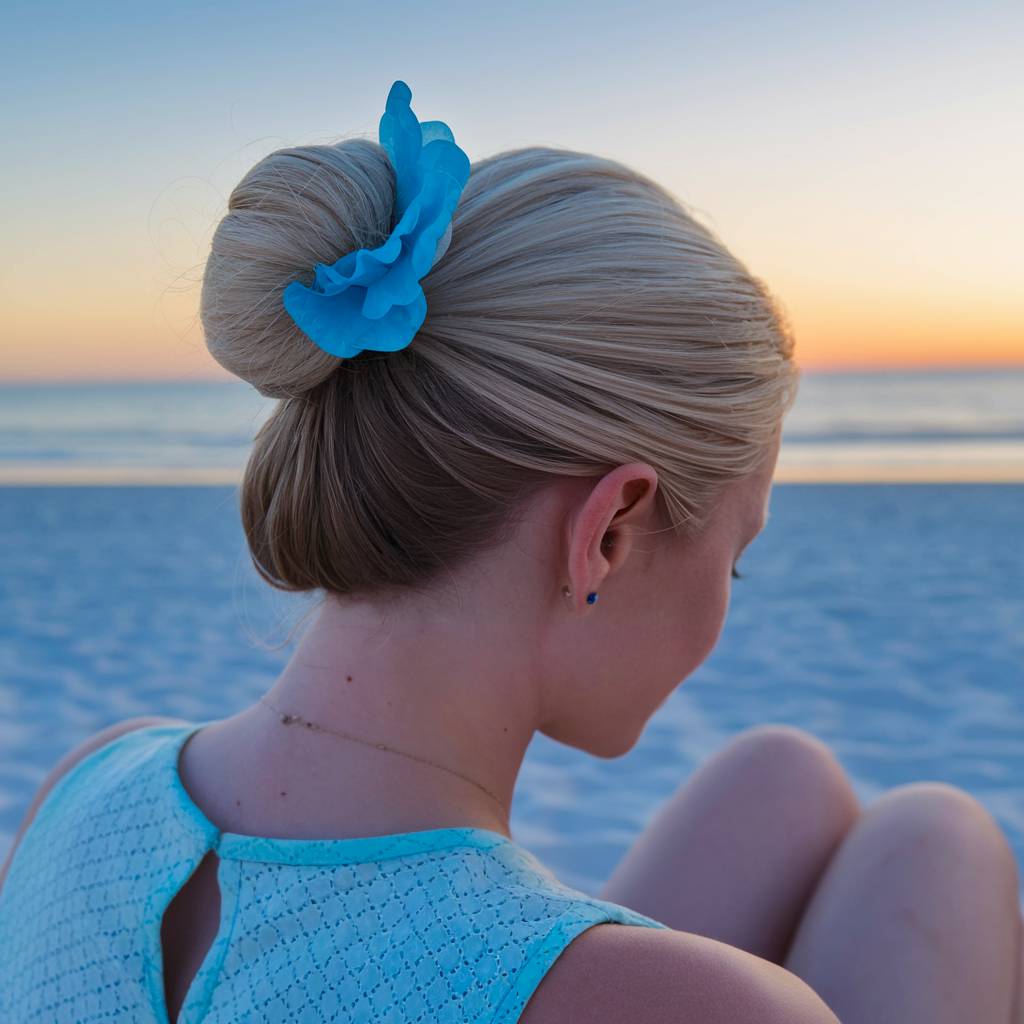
[865, 159]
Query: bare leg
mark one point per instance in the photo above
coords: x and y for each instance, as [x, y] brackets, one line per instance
[736, 853]
[917, 918]
[1017, 1016]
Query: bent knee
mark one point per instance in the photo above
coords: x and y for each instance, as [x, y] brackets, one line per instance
[778, 747]
[780, 739]
[789, 758]
[929, 804]
[940, 819]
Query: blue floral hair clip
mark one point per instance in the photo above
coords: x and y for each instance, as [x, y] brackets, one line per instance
[371, 298]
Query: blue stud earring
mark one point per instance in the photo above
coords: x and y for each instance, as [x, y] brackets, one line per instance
[592, 597]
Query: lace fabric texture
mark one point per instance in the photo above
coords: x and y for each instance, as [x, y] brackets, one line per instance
[433, 927]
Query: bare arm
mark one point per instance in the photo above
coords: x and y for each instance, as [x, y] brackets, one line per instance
[613, 973]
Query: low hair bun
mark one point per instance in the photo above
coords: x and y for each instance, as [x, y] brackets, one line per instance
[581, 319]
[296, 207]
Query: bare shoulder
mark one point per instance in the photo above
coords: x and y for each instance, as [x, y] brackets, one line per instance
[616, 972]
[69, 760]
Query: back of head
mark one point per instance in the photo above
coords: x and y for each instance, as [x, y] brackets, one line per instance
[580, 319]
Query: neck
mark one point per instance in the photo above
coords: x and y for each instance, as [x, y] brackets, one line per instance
[422, 688]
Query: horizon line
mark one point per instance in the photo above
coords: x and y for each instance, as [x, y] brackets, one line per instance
[852, 369]
[1009, 473]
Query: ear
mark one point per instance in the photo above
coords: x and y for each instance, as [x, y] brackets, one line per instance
[600, 532]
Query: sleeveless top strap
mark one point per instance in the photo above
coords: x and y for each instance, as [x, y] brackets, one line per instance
[584, 912]
[445, 925]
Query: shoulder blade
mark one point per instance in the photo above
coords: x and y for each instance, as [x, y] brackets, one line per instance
[614, 972]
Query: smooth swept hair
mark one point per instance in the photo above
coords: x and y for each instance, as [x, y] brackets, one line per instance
[580, 319]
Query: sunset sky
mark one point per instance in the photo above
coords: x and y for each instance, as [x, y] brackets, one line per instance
[864, 159]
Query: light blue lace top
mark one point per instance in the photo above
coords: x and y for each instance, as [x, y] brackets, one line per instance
[435, 927]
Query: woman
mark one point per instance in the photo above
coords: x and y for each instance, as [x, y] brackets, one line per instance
[522, 510]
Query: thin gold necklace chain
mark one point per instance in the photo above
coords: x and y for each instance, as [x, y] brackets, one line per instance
[288, 719]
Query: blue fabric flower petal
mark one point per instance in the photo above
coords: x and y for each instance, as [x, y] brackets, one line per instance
[372, 298]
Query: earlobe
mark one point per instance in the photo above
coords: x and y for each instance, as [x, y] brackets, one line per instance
[591, 597]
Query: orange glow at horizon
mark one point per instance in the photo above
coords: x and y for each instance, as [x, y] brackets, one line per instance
[845, 348]
[143, 338]
[835, 337]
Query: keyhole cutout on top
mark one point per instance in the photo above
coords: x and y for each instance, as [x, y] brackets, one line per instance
[187, 931]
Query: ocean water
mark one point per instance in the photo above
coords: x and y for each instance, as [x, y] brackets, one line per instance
[886, 619]
[936, 425]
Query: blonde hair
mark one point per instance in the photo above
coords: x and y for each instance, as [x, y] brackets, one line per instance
[580, 319]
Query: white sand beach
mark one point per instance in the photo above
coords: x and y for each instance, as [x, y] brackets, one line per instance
[886, 619]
